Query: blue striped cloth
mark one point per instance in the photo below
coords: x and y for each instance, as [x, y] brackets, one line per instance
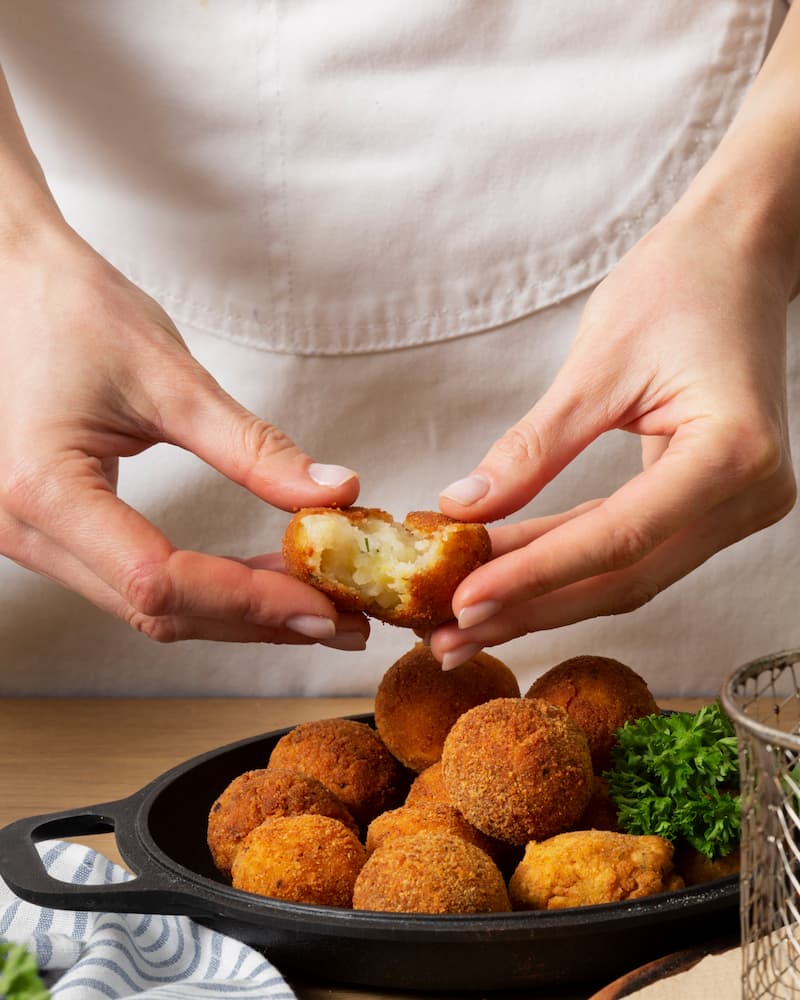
[95, 956]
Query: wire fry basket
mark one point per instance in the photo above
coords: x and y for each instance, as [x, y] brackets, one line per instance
[762, 699]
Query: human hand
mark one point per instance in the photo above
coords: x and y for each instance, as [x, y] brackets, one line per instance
[92, 369]
[684, 345]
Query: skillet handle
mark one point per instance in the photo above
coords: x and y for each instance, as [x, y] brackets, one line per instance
[153, 890]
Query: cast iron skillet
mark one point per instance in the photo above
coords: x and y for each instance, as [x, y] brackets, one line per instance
[160, 831]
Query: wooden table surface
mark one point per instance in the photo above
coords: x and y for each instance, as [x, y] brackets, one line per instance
[66, 753]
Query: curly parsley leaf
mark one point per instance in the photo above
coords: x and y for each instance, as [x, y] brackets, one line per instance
[677, 776]
[19, 977]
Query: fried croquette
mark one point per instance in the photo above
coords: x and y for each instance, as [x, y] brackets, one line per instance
[417, 702]
[253, 796]
[404, 574]
[350, 760]
[600, 694]
[303, 859]
[430, 872]
[696, 868]
[584, 867]
[435, 816]
[428, 786]
[518, 769]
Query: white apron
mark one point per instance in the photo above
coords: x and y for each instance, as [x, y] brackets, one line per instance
[377, 224]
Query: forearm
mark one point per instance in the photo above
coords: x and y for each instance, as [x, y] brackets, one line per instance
[25, 199]
[750, 188]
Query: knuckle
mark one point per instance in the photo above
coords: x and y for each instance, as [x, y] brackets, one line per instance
[162, 629]
[754, 453]
[25, 490]
[520, 445]
[627, 545]
[634, 595]
[149, 590]
[264, 440]
[779, 498]
[784, 498]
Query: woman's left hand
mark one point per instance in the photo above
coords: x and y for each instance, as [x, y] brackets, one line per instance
[684, 345]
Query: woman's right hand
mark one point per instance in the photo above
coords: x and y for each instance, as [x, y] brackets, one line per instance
[91, 370]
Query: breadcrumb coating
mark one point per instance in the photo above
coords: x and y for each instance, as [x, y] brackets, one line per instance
[518, 768]
[430, 872]
[600, 694]
[350, 760]
[585, 867]
[434, 816]
[417, 702]
[428, 786]
[303, 859]
[253, 796]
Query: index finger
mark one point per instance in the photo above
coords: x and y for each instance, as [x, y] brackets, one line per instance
[77, 510]
[699, 470]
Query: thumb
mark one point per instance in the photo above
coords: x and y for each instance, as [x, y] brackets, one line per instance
[256, 454]
[521, 462]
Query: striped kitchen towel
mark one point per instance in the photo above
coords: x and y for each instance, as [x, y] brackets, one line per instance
[96, 956]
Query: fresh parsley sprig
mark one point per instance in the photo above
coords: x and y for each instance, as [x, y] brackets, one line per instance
[19, 977]
[677, 776]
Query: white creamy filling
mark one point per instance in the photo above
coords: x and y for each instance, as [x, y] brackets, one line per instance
[375, 558]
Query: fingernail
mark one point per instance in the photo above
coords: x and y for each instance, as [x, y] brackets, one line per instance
[458, 656]
[467, 491]
[347, 640]
[312, 626]
[330, 475]
[474, 614]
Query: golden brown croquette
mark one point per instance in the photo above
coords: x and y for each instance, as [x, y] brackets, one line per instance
[350, 760]
[253, 796]
[518, 768]
[417, 702]
[430, 872]
[600, 694]
[436, 816]
[303, 859]
[584, 867]
[428, 786]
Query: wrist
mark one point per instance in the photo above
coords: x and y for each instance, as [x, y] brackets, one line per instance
[28, 211]
[749, 190]
[27, 207]
[748, 197]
